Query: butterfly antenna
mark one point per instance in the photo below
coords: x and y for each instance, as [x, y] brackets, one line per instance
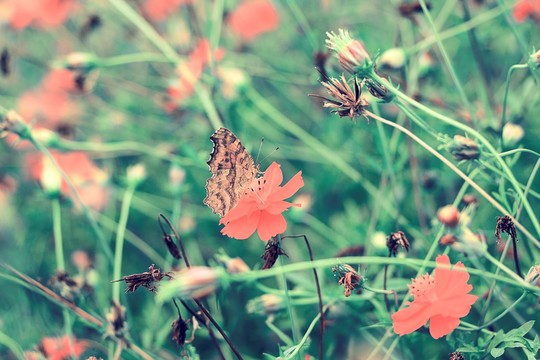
[276, 149]
[259, 153]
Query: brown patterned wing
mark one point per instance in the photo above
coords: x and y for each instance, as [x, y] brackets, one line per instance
[232, 168]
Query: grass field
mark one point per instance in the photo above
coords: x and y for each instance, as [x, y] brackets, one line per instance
[146, 213]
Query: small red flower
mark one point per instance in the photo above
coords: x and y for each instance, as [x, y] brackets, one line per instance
[42, 13]
[525, 9]
[261, 206]
[159, 10]
[442, 299]
[253, 18]
[59, 349]
[190, 71]
[89, 180]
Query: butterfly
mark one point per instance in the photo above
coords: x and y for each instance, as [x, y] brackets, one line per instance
[233, 170]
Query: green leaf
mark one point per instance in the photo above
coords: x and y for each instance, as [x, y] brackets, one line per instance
[522, 330]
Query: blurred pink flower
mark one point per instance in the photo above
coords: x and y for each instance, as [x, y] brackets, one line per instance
[159, 10]
[190, 71]
[89, 180]
[59, 349]
[525, 9]
[253, 18]
[43, 13]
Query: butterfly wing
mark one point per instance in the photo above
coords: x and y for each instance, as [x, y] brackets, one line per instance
[232, 168]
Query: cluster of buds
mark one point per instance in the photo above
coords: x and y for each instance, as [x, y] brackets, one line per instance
[461, 238]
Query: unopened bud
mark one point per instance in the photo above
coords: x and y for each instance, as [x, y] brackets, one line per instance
[511, 134]
[191, 283]
[136, 174]
[533, 276]
[177, 175]
[534, 60]
[463, 148]
[50, 179]
[266, 304]
[12, 122]
[351, 53]
[393, 58]
[449, 216]
[79, 61]
[447, 239]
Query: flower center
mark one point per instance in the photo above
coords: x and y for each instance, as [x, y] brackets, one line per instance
[256, 190]
[422, 288]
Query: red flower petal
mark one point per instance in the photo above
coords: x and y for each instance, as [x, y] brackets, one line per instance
[288, 189]
[253, 18]
[270, 225]
[243, 227]
[409, 319]
[277, 207]
[441, 325]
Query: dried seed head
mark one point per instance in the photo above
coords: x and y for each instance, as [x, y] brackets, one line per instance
[378, 90]
[180, 329]
[348, 277]
[449, 216]
[345, 102]
[463, 148]
[272, 250]
[173, 249]
[146, 279]
[395, 240]
[116, 321]
[456, 356]
[505, 225]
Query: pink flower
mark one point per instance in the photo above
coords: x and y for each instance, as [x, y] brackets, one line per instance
[253, 18]
[442, 299]
[261, 206]
[190, 71]
[159, 10]
[525, 9]
[59, 349]
[42, 13]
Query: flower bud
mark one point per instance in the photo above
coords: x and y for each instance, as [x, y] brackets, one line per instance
[447, 239]
[234, 82]
[534, 60]
[511, 134]
[393, 58]
[177, 175]
[470, 199]
[191, 283]
[50, 179]
[266, 304]
[79, 61]
[463, 148]
[12, 122]
[351, 53]
[533, 276]
[449, 216]
[136, 174]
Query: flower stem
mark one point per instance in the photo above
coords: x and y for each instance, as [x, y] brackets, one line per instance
[446, 58]
[170, 53]
[497, 318]
[12, 345]
[119, 244]
[60, 264]
[507, 86]
[294, 329]
[319, 294]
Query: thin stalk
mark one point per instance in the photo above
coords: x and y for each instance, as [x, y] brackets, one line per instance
[507, 86]
[482, 140]
[199, 304]
[60, 264]
[12, 345]
[170, 53]
[501, 315]
[119, 247]
[294, 329]
[319, 295]
[446, 58]
[131, 58]
[386, 302]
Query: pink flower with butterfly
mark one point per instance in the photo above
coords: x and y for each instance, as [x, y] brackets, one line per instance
[261, 206]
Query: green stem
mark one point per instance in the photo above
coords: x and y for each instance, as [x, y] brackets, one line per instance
[501, 315]
[60, 264]
[482, 140]
[122, 223]
[130, 59]
[57, 231]
[298, 347]
[294, 329]
[12, 345]
[446, 58]
[417, 264]
[508, 76]
[168, 51]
